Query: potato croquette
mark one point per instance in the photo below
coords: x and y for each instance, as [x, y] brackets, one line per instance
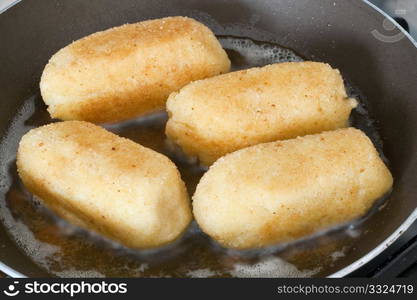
[130, 70]
[212, 117]
[281, 191]
[105, 183]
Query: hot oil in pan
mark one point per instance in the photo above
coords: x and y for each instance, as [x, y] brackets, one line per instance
[64, 250]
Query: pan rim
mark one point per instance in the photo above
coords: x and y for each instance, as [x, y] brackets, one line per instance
[413, 216]
[351, 267]
[2, 10]
[11, 272]
[387, 16]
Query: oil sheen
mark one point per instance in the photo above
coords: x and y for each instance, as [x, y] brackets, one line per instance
[64, 250]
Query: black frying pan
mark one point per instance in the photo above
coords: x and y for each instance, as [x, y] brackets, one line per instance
[348, 34]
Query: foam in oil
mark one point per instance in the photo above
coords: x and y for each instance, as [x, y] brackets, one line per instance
[67, 251]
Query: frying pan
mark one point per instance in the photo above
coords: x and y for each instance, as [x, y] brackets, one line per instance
[345, 33]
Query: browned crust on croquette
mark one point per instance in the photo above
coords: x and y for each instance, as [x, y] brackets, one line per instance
[280, 191]
[130, 70]
[105, 183]
[212, 117]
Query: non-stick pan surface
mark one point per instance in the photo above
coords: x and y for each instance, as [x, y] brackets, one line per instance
[348, 34]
